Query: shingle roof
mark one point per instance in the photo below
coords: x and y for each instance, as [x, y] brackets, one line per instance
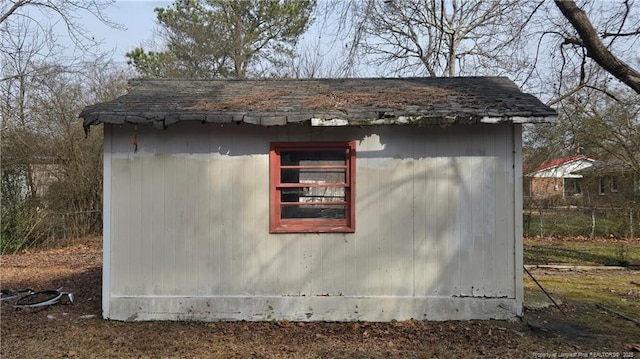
[372, 101]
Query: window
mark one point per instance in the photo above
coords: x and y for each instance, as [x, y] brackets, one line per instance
[602, 186]
[614, 184]
[572, 187]
[312, 187]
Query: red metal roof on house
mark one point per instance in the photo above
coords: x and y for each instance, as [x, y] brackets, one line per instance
[559, 161]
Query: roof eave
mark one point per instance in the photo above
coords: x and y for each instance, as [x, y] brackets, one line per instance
[315, 119]
[521, 119]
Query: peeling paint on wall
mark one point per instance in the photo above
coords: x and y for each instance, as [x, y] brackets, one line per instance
[189, 230]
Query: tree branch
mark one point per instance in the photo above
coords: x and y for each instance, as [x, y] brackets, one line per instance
[566, 95]
[13, 9]
[621, 34]
[573, 41]
[594, 46]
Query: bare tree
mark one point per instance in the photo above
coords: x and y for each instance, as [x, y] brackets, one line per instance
[564, 65]
[436, 37]
[310, 62]
[27, 30]
[68, 12]
[565, 72]
[48, 167]
[609, 129]
[46, 164]
[590, 40]
[531, 42]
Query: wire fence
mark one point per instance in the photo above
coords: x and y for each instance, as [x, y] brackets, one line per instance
[74, 224]
[51, 228]
[574, 221]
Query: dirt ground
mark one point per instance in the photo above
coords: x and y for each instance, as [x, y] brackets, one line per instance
[78, 330]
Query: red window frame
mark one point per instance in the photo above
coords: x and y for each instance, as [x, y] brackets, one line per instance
[277, 224]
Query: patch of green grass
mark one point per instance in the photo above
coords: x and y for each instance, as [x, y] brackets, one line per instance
[612, 289]
[582, 252]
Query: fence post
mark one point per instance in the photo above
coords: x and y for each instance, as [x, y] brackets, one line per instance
[631, 222]
[593, 223]
[541, 226]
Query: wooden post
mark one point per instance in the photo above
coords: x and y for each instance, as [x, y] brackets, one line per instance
[593, 222]
[540, 213]
[630, 222]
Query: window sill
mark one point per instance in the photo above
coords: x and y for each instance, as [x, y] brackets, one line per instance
[324, 229]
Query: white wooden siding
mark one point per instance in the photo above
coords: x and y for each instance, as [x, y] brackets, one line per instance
[189, 218]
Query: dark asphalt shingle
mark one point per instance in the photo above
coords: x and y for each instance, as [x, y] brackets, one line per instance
[371, 101]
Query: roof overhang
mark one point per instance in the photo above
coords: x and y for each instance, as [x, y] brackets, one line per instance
[322, 102]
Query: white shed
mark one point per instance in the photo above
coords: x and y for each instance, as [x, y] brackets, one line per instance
[314, 200]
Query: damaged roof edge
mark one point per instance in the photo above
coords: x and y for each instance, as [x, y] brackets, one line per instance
[324, 121]
[323, 102]
[520, 119]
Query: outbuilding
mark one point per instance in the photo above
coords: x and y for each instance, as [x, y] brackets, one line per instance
[314, 200]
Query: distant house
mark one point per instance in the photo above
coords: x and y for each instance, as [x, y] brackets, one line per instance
[559, 177]
[46, 172]
[610, 183]
[35, 175]
[314, 200]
